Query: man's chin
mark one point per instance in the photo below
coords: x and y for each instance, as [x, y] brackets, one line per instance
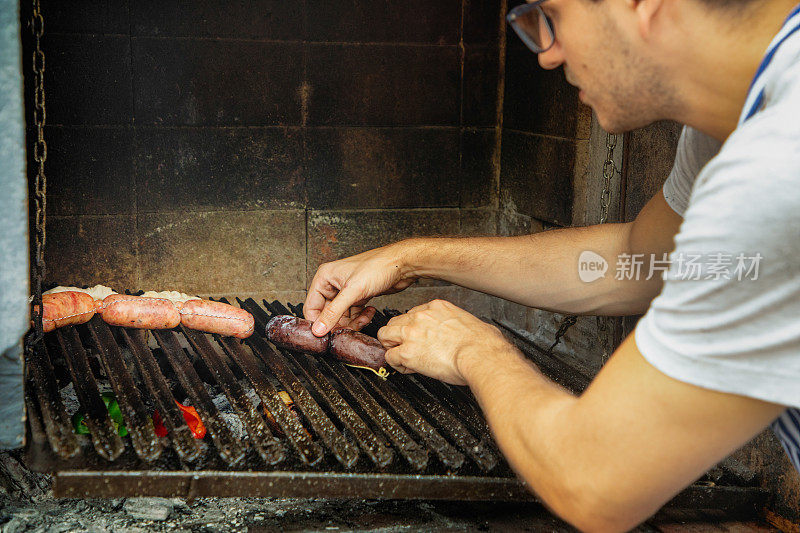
[617, 125]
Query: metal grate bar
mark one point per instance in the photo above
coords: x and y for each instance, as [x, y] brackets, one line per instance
[345, 453]
[309, 451]
[449, 406]
[416, 455]
[450, 457]
[34, 416]
[277, 308]
[376, 449]
[230, 449]
[316, 485]
[268, 447]
[552, 366]
[451, 425]
[143, 436]
[747, 501]
[184, 444]
[107, 443]
[457, 401]
[56, 424]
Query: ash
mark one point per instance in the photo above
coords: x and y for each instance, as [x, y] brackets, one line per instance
[27, 504]
[226, 410]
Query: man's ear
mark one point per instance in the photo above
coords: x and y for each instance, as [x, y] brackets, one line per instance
[646, 12]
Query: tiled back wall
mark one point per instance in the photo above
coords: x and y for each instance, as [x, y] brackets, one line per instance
[231, 147]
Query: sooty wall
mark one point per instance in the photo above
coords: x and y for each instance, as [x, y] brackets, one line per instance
[230, 148]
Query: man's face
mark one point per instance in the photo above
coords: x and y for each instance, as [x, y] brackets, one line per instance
[598, 46]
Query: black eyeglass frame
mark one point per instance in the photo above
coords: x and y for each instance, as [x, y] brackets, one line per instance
[521, 10]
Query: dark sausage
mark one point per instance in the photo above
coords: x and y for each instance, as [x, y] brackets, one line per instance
[217, 317]
[357, 349]
[292, 333]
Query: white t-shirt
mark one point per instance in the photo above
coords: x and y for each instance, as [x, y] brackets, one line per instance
[738, 331]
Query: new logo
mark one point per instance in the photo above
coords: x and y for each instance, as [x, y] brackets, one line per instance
[591, 266]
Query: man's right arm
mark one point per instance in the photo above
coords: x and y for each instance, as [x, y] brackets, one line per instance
[539, 270]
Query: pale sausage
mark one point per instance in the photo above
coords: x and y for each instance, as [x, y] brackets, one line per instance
[139, 312]
[217, 317]
[65, 309]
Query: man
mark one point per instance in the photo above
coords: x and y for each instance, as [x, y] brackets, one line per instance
[716, 358]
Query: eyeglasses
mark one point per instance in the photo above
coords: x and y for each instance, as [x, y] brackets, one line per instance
[533, 26]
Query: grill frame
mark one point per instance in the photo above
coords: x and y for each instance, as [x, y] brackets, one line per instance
[434, 444]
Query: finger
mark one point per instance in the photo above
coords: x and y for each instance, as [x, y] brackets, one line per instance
[363, 318]
[393, 359]
[390, 336]
[399, 320]
[334, 310]
[319, 293]
[350, 315]
[421, 307]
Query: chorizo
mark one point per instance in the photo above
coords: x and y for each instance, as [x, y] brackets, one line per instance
[294, 333]
[139, 312]
[65, 309]
[357, 349]
[217, 317]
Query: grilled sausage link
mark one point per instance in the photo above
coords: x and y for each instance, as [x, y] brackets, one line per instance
[357, 349]
[65, 309]
[292, 333]
[139, 312]
[217, 317]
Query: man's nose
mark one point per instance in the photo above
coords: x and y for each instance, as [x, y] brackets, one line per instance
[552, 58]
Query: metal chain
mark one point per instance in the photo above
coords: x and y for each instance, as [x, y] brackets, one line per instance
[40, 182]
[566, 323]
[609, 169]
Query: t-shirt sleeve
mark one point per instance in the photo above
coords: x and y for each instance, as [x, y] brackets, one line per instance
[728, 316]
[695, 149]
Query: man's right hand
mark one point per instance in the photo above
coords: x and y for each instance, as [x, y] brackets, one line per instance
[340, 289]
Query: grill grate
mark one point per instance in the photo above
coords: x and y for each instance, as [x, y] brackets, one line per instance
[356, 435]
[350, 420]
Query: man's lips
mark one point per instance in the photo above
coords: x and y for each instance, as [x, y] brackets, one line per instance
[571, 81]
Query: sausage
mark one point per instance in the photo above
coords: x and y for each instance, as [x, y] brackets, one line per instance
[292, 333]
[217, 317]
[139, 312]
[357, 349]
[65, 309]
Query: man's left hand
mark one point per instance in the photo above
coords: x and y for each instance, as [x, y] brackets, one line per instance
[435, 338]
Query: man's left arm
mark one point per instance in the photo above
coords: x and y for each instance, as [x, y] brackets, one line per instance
[605, 460]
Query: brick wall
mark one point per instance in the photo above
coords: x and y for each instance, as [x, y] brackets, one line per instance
[545, 132]
[230, 148]
[219, 147]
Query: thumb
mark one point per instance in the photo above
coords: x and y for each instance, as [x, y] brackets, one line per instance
[334, 310]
